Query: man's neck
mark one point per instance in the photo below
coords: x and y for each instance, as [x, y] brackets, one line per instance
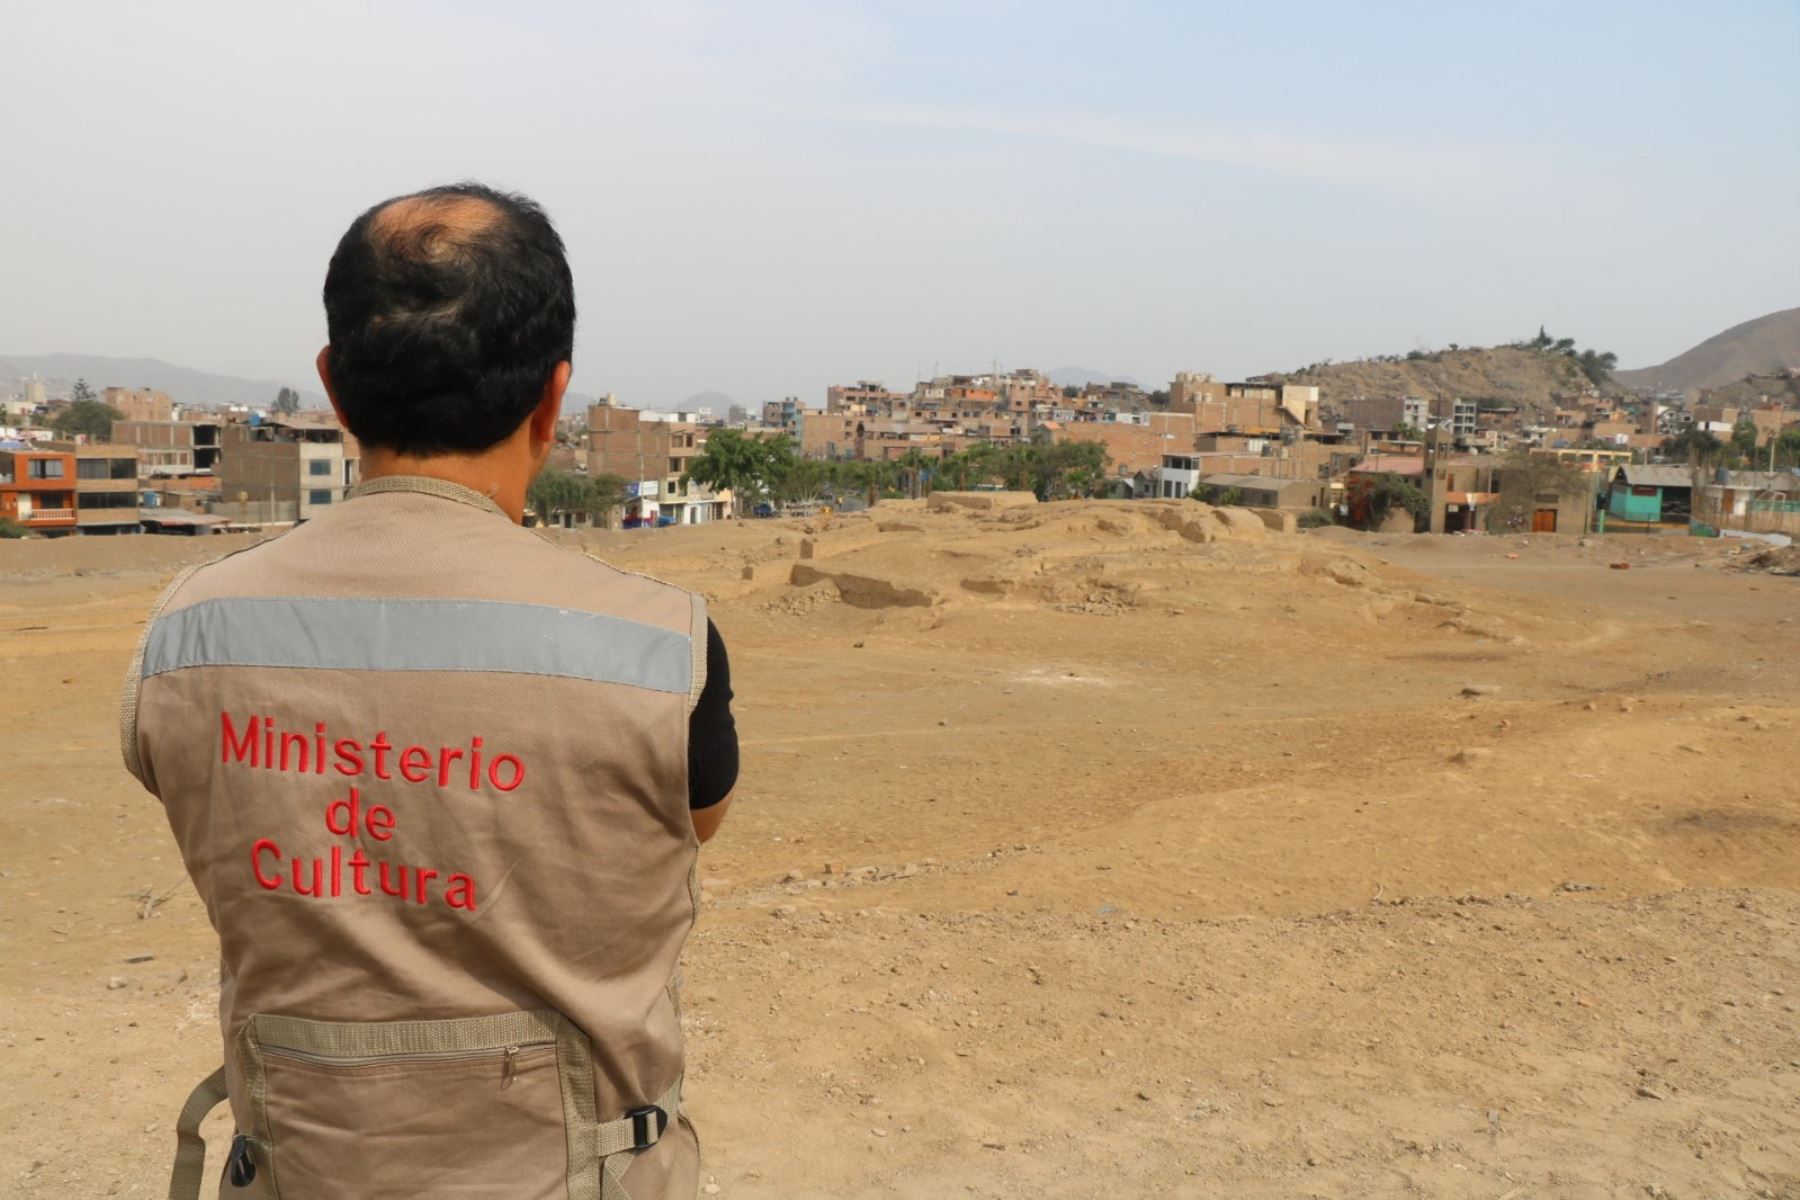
[494, 473]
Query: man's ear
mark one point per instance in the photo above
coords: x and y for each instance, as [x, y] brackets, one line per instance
[549, 408]
[323, 363]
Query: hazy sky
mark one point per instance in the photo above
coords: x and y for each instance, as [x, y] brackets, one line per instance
[762, 198]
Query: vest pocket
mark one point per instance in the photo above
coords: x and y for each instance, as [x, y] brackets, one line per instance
[478, 1108]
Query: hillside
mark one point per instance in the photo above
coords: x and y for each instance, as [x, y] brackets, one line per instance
[1782, 388]
[1763, 346]
[185, 384]
[1529, 378]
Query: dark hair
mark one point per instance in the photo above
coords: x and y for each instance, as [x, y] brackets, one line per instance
[447, 310]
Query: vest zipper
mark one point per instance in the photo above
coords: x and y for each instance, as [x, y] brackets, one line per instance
[508, 1056]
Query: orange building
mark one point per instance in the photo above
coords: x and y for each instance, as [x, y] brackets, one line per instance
[37, 490]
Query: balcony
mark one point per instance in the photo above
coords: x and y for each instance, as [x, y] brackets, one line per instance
[47, 516]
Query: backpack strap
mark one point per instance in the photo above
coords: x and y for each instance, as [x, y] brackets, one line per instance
[190, 1147]
[639, 1129]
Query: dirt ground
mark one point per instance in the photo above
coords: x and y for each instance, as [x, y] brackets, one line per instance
[1092, 850]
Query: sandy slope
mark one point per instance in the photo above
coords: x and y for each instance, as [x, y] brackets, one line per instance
[1095, 850]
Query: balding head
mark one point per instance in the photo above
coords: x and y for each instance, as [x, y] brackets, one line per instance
[448, 312]
[430, 225]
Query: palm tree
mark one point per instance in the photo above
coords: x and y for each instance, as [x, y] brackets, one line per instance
[912, 468]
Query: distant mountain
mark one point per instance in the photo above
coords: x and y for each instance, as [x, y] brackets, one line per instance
[1758, 347]
[1082, 376]
[185, 385]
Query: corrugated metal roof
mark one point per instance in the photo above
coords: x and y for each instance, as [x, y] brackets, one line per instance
[1640, 476]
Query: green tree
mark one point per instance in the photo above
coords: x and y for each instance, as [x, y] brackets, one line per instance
[287, 402]
[86, 417]
[808, 481]
[913, 466]
[81, 391]
[1316, 518]
[1787, 449]
[1219, 497]
[1375, 498]
[1408, 433]
[557, 493]
[1743, 437]
[10, 528]
[1693, 445]
[1597, 365]
[877, 478]
[1058, 471]
[749, 466]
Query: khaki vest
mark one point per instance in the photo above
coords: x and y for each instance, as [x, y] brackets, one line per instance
[429, 774]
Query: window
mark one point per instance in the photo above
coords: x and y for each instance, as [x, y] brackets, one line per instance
[318, 466]
[44, 468]
[319, 496]
[106, 468]
[109, 500]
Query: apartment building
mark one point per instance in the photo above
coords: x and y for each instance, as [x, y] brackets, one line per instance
[1460, 416]
[37, 490]
[830, 434]
[867, 397]
[171, 449]
[652, 456]
[280, 470]
[1251, 407]
[1189, 390]
[106, 486]
[786, 414]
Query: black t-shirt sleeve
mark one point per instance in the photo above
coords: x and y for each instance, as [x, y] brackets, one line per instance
[712, 730]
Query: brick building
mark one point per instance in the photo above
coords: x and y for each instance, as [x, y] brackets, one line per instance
[1131, 448]
[652, 456]
[284, 469]
[171, 448]
[140, 404]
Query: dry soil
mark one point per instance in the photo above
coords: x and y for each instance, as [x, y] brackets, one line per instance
[1092, 850]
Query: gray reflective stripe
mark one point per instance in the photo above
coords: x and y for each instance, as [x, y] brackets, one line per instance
[419, 635]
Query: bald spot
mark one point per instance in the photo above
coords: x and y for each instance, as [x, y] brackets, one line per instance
[423, 228]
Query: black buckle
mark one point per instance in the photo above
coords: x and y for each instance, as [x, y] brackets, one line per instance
[643, 1134]
[240, 1167]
